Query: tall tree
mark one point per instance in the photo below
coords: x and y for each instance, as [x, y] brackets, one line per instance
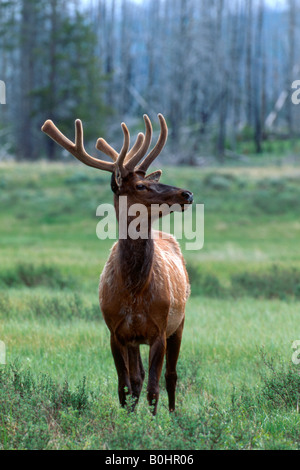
[223, 80]
[257, 92]
[126, 60]
[291, 61]
[249, 62]
[25, 148]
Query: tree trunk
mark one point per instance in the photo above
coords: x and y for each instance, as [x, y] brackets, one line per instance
[25, 138]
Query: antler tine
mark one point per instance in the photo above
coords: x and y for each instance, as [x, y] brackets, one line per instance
[158, 147]
[124, 150]
[138, 143]
[76, 149]
[104, 147]
[130, 166]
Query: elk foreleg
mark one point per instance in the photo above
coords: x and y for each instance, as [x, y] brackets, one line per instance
[172, 354]
[136, 372]
[156, 358]
[120, 355]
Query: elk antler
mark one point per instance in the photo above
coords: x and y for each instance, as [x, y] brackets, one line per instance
[76, 149]
[104, 147]
[125, 161]
[158, 147]
[144, 147]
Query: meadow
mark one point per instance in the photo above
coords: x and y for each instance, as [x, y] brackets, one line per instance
[238, 387]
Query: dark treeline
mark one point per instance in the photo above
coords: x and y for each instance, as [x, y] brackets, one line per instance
[219, 70]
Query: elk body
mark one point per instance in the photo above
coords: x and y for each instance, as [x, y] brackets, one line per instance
[144, 285]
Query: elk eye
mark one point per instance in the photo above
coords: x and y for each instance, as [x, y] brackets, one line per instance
[140, 187]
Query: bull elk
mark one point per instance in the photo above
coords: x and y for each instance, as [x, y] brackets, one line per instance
[144, 285]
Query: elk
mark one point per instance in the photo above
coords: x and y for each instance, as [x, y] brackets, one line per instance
[144, 285]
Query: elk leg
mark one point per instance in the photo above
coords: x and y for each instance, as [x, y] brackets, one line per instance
[172, 354]
[156, 359]
[136, 372]
[120, 355]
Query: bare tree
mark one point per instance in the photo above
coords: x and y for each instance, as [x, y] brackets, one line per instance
[257, 79]
[126, 59]
[291, 61]
[27, 66]
[249, 68]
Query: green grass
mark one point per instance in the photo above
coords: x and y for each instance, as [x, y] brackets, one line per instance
[238, 387]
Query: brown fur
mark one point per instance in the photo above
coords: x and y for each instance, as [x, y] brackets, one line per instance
[129, 301]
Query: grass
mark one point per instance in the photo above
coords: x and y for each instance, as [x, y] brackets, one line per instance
[238, 387]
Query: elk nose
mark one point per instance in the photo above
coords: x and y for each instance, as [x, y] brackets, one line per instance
[188, 196]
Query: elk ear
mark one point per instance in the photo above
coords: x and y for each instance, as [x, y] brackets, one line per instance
[115, 181]
[118, 177]
[155, 176]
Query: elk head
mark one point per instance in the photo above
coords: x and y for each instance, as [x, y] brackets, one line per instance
[129, 167]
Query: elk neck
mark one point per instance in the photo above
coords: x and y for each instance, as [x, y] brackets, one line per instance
[135, 256]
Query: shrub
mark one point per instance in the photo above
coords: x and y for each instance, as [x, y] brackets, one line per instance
[32, 276]
[277, 282]
[281, 384]
[5, 304]
[204, 283]
[282, 389]
[276, 200]
[218, 182]
[38, 405]
[64, 308]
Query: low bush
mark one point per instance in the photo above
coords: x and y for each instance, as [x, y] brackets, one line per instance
[204, 283]
[279, 388]
[31, 408]
[281, 384]
[60, 307]
[64, 308]
[30, 275]
[275, 282]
